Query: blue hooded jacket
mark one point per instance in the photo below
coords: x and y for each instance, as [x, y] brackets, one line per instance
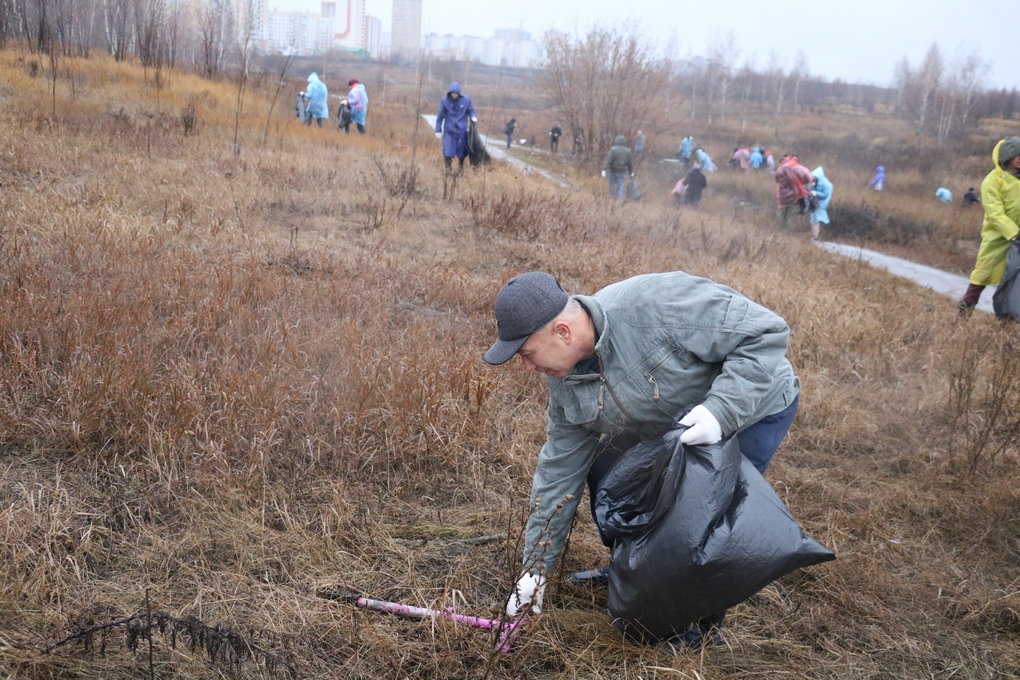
[706, 161]
[823, 194]
[757, 158]
[317, 94]
[879, 178]
[686, 147]
[453, 120]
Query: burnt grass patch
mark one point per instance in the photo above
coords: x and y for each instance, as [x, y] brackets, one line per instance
[861, 222]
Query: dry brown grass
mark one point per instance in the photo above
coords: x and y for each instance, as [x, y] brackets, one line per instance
[228, 382]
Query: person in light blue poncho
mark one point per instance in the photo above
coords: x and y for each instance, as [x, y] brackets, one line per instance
[757, 158]
[821, 194]
[879, 182]
[944, 195]
[704, 160]
[316, 96]
[686, 149]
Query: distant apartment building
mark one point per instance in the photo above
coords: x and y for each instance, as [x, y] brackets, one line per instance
[340, 24]
[373, 36]
[508, 47]
[405, 36]
[348, 23]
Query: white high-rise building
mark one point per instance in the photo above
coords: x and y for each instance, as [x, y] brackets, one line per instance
[508, 47]
[373, 36]
[405, 38]
[348, 23]
[340, 24]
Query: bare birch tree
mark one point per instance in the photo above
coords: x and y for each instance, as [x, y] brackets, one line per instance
[797, 75]
[777, 80]
[926, 83]
[246, 51]
[215, 26]
[117, 25]
[722, 54]
[604, 84]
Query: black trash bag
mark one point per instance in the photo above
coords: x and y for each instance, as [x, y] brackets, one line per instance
[343, 116]
[1006, 300]
[301, 108]
[697, 530]
[477, 153]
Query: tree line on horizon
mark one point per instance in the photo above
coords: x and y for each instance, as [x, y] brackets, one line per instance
[602, 83]
[609, 81]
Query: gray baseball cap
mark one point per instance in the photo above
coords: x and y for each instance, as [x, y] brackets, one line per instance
[526, 303]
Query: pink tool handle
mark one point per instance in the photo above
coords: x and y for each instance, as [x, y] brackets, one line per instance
[507, 631]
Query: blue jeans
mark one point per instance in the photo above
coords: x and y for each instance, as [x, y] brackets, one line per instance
[758, 443]
[617, 180]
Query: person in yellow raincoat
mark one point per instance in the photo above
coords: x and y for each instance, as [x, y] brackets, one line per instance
[1000, 195]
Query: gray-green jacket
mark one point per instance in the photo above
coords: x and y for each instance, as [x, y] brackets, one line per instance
[667, 342]
[619, 157]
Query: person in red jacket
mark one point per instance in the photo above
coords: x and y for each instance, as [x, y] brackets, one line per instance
[793, 184]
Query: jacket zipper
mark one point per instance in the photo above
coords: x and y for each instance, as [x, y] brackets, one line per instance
[607, 386]
[651, 379]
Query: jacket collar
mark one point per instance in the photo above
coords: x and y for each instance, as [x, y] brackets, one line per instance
[598, 317]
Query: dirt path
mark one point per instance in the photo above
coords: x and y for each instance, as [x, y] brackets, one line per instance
[497, 150]
[950, 285]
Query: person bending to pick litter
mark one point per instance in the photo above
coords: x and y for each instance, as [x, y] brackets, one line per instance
[1000, 196]
[621, 366]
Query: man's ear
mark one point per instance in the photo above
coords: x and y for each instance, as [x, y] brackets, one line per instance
[563, 331]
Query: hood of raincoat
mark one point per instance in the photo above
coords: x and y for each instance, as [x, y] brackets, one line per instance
[1004, 150]
[454, 87]
[620, 141]
[880, 169]
[312, 78]
[819, 172]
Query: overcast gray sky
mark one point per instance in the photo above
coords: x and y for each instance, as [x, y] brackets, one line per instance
[856, 40]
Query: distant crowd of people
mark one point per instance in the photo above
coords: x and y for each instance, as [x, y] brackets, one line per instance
[799, 191]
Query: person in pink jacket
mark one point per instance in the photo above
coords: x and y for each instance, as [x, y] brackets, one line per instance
[792, 186]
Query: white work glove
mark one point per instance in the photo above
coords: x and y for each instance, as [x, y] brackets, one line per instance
[813, 194]
[703, 427]
[603, 173]
[527, 595]
[474, 120]
[439, 135]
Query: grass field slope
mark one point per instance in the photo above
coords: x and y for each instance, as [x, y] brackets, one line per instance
[235, 374]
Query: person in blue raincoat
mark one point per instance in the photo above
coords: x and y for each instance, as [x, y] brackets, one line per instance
[879, 180]
[944, 195]
[821, 194]
[317, 94]
[456, 113]
[686, 149]
[705, 160]
[757, 158]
